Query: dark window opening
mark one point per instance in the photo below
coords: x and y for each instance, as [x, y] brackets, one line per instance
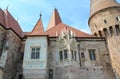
[100, 33]
[118, 18]
[105, 32]
[65, 54]
[72, 54]
[82, 55]
[20, 76]
[61, 55]
[95, 34]
[75, 55]
[111, 30]
[117, 29]
[105, 21]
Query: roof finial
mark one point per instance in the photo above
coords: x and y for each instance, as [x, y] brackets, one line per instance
[54, 6]
[40, 15]
[7, 7]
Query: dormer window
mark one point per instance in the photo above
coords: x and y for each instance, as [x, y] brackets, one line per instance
[105, 21]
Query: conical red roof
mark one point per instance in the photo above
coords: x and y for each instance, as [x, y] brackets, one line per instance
[55, 19]
[97, 5]
[38, 29]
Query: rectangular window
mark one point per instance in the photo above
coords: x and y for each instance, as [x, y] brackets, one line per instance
[82, 55]
[92, 54]
[75, 55]
[111, 30]
[117, 29]
[35, 53]
[72, 54]
[61, 55]
[65, 54]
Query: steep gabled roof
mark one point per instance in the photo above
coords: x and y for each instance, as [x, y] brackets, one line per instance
[2, 20]
[97, 5]
[55, 19]
[38, 29]
[8, 21]
[55, 31]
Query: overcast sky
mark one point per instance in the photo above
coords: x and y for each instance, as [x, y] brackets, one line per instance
[73, 12]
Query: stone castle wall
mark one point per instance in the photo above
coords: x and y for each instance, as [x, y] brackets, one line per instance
[13, 59]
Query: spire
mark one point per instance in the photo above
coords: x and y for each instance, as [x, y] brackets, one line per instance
[55, 19]
[97, 5]
[38, 29]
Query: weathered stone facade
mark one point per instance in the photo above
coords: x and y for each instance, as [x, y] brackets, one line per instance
[10, 62]
[62, 52]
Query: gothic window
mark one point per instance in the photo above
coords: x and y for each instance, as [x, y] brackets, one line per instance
[65, 54]
[61, 55]
[105, 32]
[111, 30]
[35, 53]
[105, 21]
[117, 29]
[92, 54]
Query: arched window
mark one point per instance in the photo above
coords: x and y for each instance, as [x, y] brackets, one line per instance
[100, 33]
[111, 30]
[105, 32]
[117, 28]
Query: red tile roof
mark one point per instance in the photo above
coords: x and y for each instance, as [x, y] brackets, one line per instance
[97, 5]
[8, 21]
[2, 19]
[56, 30]
[55, 19]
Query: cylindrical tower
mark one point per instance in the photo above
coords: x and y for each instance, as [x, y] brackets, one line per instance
[104, 21]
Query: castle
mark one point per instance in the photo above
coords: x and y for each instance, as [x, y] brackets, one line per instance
[62, 52]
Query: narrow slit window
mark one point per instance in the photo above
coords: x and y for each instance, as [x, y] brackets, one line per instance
[117, 29]
[105, 32]
[111, 30]
[65, 54]
[75, 55]
[100, 33]
[61, 55]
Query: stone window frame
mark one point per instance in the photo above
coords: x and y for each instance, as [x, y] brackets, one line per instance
[92, 55]
[63, 55]
[35, 54]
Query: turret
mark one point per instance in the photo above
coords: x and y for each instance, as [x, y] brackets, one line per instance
[104, 21]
